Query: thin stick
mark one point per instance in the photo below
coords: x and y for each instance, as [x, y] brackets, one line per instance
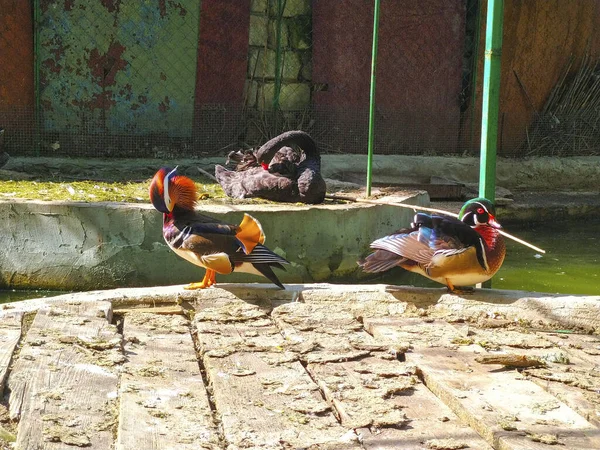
[422, 208]
[521, 241]
[207, 174]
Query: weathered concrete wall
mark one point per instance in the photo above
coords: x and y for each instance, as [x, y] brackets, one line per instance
[540, 173]
[82, 246]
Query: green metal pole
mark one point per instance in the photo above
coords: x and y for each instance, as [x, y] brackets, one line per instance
[491, 99]
[37, 109]
[278, 53]
[372, 99]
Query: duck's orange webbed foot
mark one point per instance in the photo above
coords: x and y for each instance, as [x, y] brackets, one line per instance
[208, 281]
[462, 290]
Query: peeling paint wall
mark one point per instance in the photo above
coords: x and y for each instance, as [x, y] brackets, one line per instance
[16, 70]
[118, 67]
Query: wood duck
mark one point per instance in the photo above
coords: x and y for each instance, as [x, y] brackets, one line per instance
[276, 171]
[454, 252]
[207, 242]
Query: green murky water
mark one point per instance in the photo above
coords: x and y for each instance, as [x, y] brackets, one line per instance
[14, 295]
[571, 264]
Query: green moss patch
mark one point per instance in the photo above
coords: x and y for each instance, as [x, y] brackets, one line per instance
[92, 191]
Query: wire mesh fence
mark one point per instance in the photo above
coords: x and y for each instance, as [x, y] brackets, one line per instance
[164, 79]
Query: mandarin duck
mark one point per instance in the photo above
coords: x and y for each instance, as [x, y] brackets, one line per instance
[207, 242]
[276, 171]
[454, 252]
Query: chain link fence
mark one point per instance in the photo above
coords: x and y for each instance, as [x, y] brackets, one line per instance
[191, 78]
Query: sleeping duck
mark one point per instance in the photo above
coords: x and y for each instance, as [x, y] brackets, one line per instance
[276, 171]
[454, 252]
[207, 242]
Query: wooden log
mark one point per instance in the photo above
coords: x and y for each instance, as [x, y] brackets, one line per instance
[506, 409]
[164, 310]
[583, 346]
[558, 312]
[263, 395]
[332, 332]
[164, 402]
[10, 333]
[511, 360]
[63, 385]
[572, 374]
[373, 393]
[389, 407]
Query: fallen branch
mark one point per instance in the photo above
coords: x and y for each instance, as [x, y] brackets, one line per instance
[206, 174]
[511, 360]
[423, 208]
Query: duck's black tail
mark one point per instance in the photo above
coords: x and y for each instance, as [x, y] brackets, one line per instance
[263, 260]
[267, 271]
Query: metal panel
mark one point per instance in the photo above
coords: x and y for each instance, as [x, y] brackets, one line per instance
[118, 66]
[418, 75]
[223, 52]
[16, 67]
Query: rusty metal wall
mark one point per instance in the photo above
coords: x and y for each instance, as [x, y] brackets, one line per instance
[162, 78]
[419, 71]
[16, 70]
[540, 38]
[120, 68]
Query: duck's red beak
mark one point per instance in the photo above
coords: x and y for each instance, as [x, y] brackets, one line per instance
[492, 222]
[264, 165]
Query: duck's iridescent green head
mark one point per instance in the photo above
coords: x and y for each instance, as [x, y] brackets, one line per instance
[479, 211]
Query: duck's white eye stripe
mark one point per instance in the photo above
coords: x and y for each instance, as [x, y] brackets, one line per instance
[166, 183]
[466, 215]
[483, 206]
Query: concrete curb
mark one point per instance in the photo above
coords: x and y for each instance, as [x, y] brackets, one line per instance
[547, 310]
[84, 246]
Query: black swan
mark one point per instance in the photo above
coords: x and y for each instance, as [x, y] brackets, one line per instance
[276, 171]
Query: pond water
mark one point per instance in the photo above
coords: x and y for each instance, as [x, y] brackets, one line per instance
[13, 295]
[571, 264]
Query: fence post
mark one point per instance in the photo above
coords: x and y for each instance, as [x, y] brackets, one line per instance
[37, 108]
[491, 99]
[278, 55]
[372, 98]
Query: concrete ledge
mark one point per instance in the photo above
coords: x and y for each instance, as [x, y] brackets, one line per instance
[84, 246]
[539, 310]
[536, 173]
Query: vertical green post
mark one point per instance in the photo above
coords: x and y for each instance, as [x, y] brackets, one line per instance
[37, 109]
[491, 99]
[372, 98]
[278, 53]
